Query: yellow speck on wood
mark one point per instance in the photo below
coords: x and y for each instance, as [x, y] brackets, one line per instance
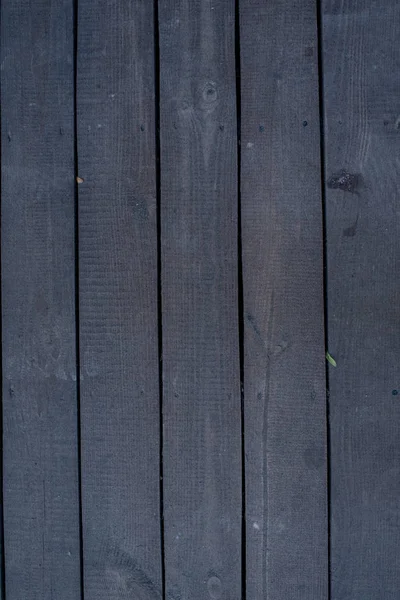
[79, 180]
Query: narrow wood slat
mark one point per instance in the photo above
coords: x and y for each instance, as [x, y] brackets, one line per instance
[118, 300]
[41, 496]
[202, 439]
[284, 372]
[362, 122]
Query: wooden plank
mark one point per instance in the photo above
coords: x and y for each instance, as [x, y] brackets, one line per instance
[41, 495]
[362, 81]
[202, 438]
[118, 300]
[284, 372]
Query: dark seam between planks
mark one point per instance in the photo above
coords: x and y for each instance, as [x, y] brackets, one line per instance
[159, 282]
[240, 296]
[3, 557]
[325, 271]
[77, 319]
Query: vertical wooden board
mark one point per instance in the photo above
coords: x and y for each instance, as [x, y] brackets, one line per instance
[118, 300]
[202, 438]
[362, 147]
[41, 495]
[282, 240]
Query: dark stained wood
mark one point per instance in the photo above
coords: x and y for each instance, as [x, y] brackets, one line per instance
[284, 372]
[362, 148]
[41, 499]
[118, 301]
[286, 526]
[202, 439]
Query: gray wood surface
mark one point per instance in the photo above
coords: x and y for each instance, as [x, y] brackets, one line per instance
[362, 148]
[200, 544]
[118, 301]
[41, 499]
[284, 370]
[201, 401]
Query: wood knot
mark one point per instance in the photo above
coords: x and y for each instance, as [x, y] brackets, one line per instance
[347, 182]
[214, 587]
[209, 96]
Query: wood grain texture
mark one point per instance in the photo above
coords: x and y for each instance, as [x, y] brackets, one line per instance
[284, 372]
[41, 500]
[118, 301]
[202, 439]
[362, 82]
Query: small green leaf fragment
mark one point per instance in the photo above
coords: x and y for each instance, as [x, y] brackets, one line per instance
[331, 360]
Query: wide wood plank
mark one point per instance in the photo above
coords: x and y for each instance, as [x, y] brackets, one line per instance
[284, 372]
[362, 131]
[118, 300]
[201, 401]
[41, 495]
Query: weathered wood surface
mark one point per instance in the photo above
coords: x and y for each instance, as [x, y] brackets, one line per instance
[362, 128]
[200, 547]
[201, 401]
[284, 364]
[40, 442]
[118, 301]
